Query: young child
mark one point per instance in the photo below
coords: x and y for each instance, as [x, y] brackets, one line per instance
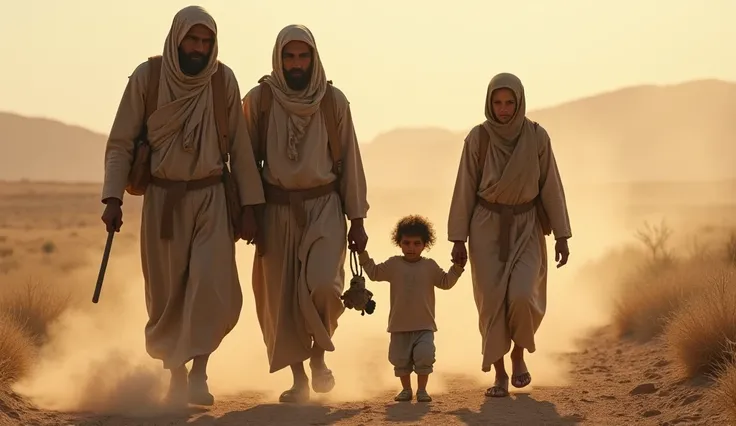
[411, 319]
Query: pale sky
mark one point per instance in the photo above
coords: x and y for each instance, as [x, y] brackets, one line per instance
[400, 62]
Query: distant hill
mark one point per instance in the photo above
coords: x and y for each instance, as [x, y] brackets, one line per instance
[673, 133]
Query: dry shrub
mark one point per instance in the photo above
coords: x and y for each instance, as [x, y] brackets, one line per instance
[699, 334]
[17, 351]
[34, 306]
[723, 393]
[649, 297]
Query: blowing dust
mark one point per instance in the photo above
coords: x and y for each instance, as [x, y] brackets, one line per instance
[96, 361]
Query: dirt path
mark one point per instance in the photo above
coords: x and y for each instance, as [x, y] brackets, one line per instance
[614, 383]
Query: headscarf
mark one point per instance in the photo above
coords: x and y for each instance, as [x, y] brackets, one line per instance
[301, 105]
[511, 130]
[185, 101]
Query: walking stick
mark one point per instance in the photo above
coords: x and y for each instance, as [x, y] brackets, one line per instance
[103, 267]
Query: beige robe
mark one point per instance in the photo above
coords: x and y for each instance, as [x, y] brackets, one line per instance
[511, 297]
[193, 294]
[298, 282]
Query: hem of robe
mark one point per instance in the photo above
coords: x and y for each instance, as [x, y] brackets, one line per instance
[172, 362]
[310, 316]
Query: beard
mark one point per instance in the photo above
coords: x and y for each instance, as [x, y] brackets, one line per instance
[192, 63]
[298, 79]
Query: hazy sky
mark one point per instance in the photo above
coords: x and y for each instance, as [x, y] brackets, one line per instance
[400, 62]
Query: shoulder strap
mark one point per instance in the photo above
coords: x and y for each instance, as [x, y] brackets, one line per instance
[264, 114]
[327, 105]
[484, 139]
[219, 100]
[154, 75]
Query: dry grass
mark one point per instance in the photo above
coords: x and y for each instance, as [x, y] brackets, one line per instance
[724, 392]
[689, 298]
[650, 296]
[17, 351]
[700, 332]
[33, 307]
[26, 313]
[663, 283]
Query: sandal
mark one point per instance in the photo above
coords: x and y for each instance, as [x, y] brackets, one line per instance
[500, 389]
[423, 396]
[323, 381]
[521, 380]
[404, 396]
[297, 395]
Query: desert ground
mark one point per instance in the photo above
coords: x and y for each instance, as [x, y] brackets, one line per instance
[637, 331]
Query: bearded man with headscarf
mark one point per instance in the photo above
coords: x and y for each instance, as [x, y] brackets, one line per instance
[193, 293]
[508, 195]
[298, 272]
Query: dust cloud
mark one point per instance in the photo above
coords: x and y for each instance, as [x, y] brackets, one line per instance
[96, 361]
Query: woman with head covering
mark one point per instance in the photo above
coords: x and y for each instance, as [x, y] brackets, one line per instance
[508, 195]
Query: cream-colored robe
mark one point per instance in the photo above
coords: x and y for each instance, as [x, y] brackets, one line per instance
[511, 297]
[298, 282]
[193, 293]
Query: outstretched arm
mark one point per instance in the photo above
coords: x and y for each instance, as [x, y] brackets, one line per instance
[446, 280]
[375, 272]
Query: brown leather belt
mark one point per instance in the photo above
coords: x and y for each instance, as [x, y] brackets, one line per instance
[175, 191]
[296, 197]
[507, 213]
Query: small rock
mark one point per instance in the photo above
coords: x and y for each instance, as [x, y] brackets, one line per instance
[651, 413]
[644, 388]
[692, 398]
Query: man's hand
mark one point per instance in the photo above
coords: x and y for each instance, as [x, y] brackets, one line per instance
[459, 254]
[357, 238]
[248, 224]
[562, 252]
[112, 217]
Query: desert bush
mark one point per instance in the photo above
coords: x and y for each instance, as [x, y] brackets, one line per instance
[656, 239]
[700, 332]
[649, 296]
[724, 392]
[34, 306]
[16, 351]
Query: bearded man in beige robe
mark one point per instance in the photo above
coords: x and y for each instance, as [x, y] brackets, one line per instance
[504, 211]
[298, 274]
[193, 294]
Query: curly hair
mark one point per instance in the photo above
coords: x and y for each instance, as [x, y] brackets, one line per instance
[414, 226]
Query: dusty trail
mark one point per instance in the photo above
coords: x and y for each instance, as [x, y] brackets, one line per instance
[613, 383]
